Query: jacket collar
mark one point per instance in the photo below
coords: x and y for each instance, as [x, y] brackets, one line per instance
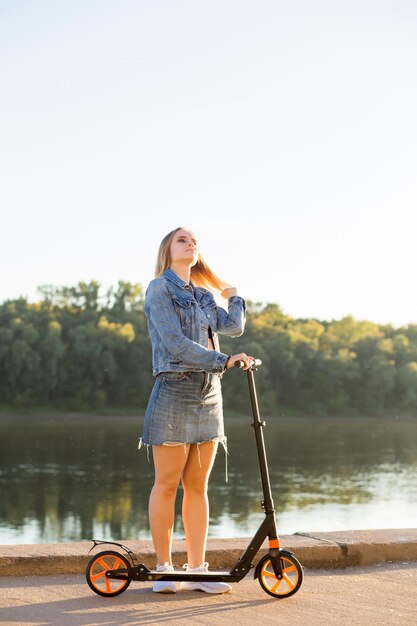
[172, 276]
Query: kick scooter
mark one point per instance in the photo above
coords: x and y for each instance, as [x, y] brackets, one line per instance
[109, 573]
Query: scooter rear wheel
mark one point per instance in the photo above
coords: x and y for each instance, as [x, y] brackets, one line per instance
[96, 573]
[292, 577]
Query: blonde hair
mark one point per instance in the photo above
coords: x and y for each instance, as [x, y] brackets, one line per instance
[201, 274]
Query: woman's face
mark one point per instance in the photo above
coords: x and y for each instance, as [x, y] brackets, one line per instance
[184, 248]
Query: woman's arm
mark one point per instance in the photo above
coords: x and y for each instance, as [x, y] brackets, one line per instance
[162, 317]
[232, 322]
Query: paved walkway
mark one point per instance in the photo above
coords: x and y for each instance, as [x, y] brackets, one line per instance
[376, 595]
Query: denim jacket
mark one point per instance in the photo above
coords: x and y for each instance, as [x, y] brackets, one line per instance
[179, 316]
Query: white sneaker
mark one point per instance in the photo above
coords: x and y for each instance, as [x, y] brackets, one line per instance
[164, 586]
[203, 585]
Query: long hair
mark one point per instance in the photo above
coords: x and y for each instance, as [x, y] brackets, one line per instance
[201, 274]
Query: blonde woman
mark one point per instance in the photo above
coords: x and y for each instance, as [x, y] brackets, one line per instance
[184, 419]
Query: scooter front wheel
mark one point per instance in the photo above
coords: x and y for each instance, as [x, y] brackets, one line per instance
[292, 577]
[96, 573]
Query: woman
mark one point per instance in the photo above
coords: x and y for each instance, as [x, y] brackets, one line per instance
[184, 420]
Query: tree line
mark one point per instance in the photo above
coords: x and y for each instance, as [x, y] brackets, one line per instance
[76, 349]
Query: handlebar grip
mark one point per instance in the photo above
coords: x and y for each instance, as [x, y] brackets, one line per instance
[256, 363]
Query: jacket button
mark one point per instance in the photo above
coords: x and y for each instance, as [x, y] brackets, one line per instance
[208, 314]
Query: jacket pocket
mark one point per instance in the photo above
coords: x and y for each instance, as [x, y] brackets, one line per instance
[184, 309]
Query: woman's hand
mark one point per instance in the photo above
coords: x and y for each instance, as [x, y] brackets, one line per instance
[248, 360]
[229, 292]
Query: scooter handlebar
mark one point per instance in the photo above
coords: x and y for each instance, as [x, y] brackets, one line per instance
[255, 363]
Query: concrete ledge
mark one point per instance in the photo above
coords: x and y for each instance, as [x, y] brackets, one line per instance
[313, 550]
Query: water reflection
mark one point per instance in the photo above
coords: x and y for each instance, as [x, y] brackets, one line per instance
[74, 478]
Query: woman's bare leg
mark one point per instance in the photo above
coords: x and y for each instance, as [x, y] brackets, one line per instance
[195, 506]
[169, 462]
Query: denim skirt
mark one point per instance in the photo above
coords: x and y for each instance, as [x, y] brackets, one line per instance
[184, 407]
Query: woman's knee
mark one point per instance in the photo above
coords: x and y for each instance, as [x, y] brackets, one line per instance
[165, 487]
[193, 483]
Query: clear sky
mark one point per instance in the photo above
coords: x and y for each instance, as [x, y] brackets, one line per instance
[284, 133]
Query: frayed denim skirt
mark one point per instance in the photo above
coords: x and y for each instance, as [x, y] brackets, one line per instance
[184, 407]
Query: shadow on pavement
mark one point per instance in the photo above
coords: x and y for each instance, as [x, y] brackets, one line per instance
[135, 606]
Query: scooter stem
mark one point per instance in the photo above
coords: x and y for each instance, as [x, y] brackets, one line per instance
[258, 424]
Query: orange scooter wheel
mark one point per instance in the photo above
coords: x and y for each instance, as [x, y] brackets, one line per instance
[96, 573]
[292, 577]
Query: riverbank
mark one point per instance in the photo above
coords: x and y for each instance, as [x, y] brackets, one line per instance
[328, 550]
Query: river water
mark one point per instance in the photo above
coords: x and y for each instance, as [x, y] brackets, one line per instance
[74, 478]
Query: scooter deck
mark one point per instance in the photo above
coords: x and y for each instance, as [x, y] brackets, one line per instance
[137, 573]
[184, 573]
